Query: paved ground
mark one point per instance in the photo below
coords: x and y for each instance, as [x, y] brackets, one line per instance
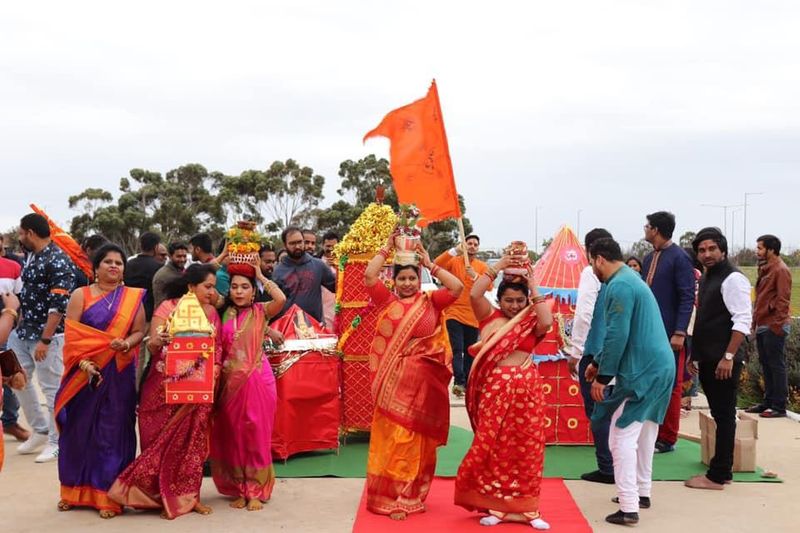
[29, 492]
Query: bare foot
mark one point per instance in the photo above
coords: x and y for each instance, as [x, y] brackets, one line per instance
[106, 514]
[64, 506]
[199, 508]
[238, 503]
[165, 516]
[254, 505]
[400, 515]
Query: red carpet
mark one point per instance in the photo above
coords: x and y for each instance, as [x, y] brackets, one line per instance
[557, 507]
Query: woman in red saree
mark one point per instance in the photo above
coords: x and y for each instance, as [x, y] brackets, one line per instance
[174, 437]
[95, 405]
[241, 442]
[502, 472]
[409, 358]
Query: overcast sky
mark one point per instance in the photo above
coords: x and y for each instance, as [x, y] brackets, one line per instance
[615, 108]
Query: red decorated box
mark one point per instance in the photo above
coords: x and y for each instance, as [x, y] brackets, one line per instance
[190, 363]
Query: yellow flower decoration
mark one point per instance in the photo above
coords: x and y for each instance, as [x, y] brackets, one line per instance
[369, 232]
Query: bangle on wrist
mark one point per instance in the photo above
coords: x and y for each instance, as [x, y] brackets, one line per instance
[45, 341]
[491, 272]
[435, 269]
[12, 312]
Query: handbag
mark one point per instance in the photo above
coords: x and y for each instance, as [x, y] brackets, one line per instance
[9, 364]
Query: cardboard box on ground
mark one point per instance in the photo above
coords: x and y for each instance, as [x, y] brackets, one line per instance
[744, 451]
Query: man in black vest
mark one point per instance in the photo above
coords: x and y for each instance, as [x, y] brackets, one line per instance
[722, 323]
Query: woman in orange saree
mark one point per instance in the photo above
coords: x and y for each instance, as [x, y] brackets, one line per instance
[502, 472]
[174, 437]
[409, 358]
[96, 402]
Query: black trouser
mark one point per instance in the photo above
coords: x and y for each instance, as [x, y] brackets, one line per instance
[721, 394]
[462, 337]
[773, 368]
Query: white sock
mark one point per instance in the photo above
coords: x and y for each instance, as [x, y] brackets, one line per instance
[538, 523]
[490, 520]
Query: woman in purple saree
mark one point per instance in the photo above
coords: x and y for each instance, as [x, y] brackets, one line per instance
[95, 405]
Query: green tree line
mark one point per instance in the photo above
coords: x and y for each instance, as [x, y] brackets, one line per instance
[190, 199]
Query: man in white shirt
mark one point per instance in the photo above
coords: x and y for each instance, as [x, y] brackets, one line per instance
[722, 324]
[588, 331]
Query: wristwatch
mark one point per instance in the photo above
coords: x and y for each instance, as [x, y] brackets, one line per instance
[729, 356]
[44, 341]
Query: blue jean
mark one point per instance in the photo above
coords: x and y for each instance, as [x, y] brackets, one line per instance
[773, 368]
[10, 407]
[462, 337]
[600, 429]
[48, 372]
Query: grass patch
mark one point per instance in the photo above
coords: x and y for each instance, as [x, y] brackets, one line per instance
[752, 274]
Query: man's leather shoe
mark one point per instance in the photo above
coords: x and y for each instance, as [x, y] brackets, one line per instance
[756, 409]
[598, 477]
[624, 519]
[17, 431]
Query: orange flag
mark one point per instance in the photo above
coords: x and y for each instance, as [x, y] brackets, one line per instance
[421, 169]
[68, 245]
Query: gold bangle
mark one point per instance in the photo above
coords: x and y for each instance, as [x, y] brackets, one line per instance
[12, 312]
[84, 365]
[537, 299]
[491, 272]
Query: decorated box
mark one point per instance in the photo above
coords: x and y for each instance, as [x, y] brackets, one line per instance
[189, 365]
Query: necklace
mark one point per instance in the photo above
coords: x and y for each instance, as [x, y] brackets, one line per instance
[105, 298]
[237, 331]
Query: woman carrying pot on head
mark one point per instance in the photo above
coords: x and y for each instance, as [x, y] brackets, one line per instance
[409, 359]
[241, 442]
[502, 472]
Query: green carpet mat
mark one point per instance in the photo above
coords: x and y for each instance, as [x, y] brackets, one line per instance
[568, 462]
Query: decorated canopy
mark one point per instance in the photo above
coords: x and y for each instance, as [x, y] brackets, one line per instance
[558, 271]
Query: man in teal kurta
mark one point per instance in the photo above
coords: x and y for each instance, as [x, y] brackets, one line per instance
[637, 353]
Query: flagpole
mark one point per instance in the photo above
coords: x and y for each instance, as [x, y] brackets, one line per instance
[461, 232]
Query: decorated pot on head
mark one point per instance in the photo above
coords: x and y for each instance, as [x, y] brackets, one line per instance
[409, 237]
[518, 250]
[244, 242]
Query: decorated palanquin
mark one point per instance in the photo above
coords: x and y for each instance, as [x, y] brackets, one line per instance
[355, 317]
[189, 366]
[557, 273]
[307, 371]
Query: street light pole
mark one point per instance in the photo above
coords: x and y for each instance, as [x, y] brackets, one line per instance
[724, 214]
[579, 223]
[733, 228]
[744, 244]
[536, 229]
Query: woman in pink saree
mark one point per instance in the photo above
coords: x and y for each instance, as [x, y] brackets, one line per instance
[174, 437]
[241, 440]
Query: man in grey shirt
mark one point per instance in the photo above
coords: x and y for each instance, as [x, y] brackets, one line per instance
[302, 276]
